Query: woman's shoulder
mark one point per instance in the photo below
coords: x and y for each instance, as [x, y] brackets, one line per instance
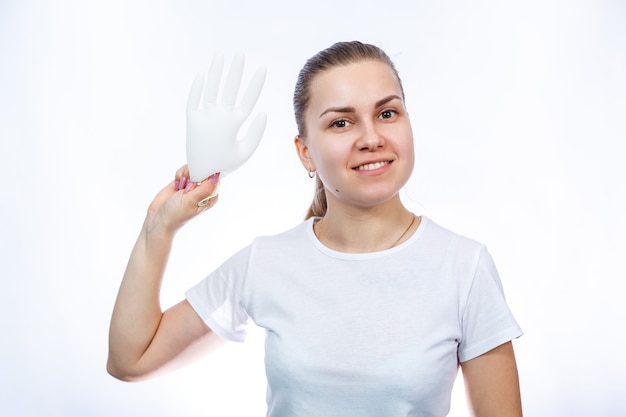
[435, 232]
[289, 236]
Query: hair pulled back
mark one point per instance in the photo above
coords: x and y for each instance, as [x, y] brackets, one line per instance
[339, 54]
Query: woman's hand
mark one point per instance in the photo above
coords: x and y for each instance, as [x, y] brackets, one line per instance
[180, 201]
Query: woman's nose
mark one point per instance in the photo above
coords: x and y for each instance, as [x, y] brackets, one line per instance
[370, 138]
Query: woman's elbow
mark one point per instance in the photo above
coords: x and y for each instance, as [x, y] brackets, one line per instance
[125, 374]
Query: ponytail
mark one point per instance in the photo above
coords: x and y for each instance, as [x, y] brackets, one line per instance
[318, 206]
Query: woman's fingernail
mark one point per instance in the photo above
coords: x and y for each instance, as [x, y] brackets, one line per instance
[213, 179]
[176, 185]
[183, 183]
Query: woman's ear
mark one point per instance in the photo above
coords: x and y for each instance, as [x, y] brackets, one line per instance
[303, 154]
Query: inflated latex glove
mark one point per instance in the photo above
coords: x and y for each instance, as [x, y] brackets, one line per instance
[213, 140]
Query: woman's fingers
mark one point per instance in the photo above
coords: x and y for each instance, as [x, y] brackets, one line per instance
[207, 203]
[205, 193]
[181, 179]
[212, 197]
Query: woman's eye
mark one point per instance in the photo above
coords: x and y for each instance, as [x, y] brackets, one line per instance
[339, 123]
[387, 114]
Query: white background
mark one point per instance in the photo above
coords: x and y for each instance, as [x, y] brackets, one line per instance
[519, 115]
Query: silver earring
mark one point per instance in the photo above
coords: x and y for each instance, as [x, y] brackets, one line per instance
[311, 173]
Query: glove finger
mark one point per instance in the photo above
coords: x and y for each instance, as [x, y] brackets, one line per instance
[253, 136]
[233, 80]
[212, 81]
[252, 93]
[195, 94]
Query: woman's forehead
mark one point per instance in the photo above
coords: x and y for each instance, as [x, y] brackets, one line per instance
[360, 81]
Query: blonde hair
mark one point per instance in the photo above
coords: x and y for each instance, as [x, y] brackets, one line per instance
[339, 54]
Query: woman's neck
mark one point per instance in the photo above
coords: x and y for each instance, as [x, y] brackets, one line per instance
[362, 230]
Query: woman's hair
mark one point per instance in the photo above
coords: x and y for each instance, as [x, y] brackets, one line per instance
[339, 54]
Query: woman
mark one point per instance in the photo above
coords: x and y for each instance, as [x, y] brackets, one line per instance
[368, 308]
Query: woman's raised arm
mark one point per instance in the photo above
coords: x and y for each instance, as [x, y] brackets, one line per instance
[144, 340]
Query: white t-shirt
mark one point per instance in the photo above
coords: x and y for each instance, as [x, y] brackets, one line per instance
[367, 334]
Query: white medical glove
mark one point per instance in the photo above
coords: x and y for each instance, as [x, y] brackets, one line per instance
[213, 126]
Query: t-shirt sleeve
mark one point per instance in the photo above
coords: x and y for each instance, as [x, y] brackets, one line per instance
[219, 298]
[487, 321]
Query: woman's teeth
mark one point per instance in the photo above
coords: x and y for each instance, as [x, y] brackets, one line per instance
[371, 167]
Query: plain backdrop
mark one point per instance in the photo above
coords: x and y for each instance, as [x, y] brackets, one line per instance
[518, 110]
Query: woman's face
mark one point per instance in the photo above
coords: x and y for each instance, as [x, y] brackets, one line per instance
[358, 134]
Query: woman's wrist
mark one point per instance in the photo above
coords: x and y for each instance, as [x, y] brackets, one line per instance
[158, 232]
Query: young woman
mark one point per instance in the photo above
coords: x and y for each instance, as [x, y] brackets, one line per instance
[369, 309]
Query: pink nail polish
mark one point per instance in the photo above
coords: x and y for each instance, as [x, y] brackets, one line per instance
[188, 187]
[183, 183]
[176, 185]
[213, 179]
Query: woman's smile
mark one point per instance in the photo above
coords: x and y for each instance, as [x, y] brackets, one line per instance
[373, 167]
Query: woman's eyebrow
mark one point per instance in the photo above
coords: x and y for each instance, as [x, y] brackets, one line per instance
[346, 109]
[338, 110]
[386, 100]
